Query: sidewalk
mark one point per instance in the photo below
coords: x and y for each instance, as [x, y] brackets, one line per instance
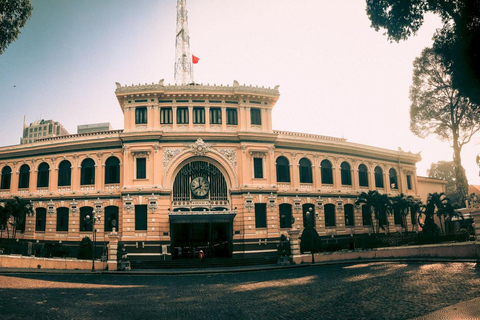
[464, 310]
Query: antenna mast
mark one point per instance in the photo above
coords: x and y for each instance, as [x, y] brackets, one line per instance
[183, 63]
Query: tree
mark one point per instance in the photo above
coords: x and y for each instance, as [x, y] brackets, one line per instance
[18, 209]
[13, 16]
[445, 170]
[381, 205]
[456, 42]
[438, 108]
[4, 217]
[405, 205]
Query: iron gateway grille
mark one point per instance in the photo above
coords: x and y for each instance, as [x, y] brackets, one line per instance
[217, 187]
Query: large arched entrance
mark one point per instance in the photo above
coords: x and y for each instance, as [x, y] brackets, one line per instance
[201, 217]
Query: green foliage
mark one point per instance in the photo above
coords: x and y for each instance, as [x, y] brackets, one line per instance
[381, 205]
[437, 108]
[444, 170]
[284, 248]
[17, 209]
[456, 43]
[85, 249]
[310, 240]
[13, 16]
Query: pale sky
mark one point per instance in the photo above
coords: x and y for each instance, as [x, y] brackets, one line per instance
[337, 76]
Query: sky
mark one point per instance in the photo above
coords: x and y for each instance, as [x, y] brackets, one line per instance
[337, 75]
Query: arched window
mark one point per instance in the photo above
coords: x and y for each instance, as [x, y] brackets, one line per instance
[24, 177]
[43, 175]
[329, 215]
[40, 218]
[64, 173]
[362, 175]
[378, 177]
[62, 219]
[283, 170]
[392, 173]
[346, 174]
[88, 172]
[305, 167]
[6, 177]
[308, 209]
[285, 215]
[111, 218]
[366, 215]
[112, 170]
[327, 175]
[85, 224]
[349, 215]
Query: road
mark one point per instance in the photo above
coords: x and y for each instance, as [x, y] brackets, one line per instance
[377, 290]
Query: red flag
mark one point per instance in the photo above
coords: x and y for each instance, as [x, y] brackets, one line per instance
[195, 59]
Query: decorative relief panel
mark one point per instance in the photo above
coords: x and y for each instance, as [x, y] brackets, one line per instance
[230, 154]
[169, 154]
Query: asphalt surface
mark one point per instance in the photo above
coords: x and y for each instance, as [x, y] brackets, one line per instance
[371, 290]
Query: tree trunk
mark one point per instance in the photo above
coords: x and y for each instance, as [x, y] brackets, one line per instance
[460, 176]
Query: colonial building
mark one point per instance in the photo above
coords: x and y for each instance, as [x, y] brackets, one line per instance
[199, 167]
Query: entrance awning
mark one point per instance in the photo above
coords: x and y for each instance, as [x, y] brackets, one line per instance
[201, 216]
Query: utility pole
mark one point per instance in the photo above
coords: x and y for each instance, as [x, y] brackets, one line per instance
[183, 58]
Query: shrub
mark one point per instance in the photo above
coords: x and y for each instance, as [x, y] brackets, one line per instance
[85, 249]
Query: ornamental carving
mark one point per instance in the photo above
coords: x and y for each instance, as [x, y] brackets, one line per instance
[249, 202]
[128, 203]
[50, 207]
[272, 201]
[152, 203]
[230, 154]
[73, 207]
[169, 154]
[199, 148]
[297, 203]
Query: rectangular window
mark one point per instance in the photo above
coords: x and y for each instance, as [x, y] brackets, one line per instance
[141, 115]
[141, 168]
[409, 182]
[50, 128]
[260, 215]
[258, 168]
[215, 116]
[232, 116]
[182, 115]
[198, 115]
[255, 116]
[166, 116]
[140, 217]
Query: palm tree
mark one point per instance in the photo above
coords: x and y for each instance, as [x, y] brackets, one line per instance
[401, 205]
[381, 205]
[18, 209]
[4, 217]
[436, 205]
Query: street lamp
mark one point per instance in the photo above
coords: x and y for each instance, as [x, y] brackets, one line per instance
[311, 221]
[93, 220]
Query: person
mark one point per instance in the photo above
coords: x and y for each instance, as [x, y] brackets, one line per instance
[201, 255]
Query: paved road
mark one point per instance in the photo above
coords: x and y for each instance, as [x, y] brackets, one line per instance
[377, 290]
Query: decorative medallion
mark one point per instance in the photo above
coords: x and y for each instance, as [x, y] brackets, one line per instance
[272, 201]
[297, 203]
[51, 207]
[199, 148]
[249, 202]
[73, 207]
[152, 203]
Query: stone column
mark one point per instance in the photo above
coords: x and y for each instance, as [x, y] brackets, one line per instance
[112, 250]
[294, 241]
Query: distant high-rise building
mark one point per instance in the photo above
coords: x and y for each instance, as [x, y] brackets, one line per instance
[42, 129]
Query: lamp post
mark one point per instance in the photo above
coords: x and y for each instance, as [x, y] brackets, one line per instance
[311, 221]
[93, 220]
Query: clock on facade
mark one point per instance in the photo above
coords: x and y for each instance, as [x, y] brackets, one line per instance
[199, 187]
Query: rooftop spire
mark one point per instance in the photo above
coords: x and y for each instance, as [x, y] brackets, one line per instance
[183, 62]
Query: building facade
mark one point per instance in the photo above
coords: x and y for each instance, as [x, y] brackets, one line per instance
[199, 167]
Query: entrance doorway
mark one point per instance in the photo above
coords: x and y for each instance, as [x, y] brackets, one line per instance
[214, 238]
